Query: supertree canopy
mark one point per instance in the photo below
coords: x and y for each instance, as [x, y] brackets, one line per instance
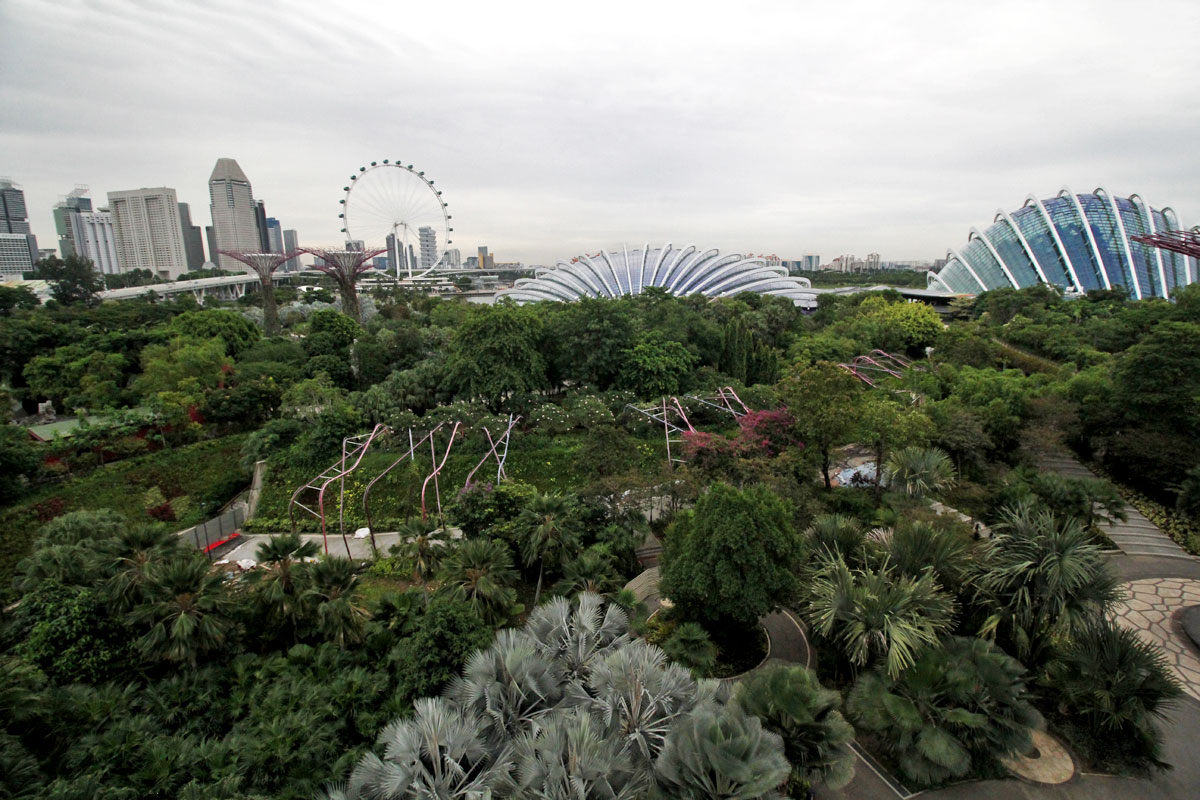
[680, 272]
[264, 266]
[1077, 241]
[345, 267]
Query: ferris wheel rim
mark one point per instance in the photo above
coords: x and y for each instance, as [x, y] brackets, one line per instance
[412, 173]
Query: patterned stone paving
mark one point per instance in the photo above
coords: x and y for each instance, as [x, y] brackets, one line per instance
[1152, 609]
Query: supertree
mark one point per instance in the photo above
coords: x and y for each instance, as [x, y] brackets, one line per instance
[264, 266]
[345, 267]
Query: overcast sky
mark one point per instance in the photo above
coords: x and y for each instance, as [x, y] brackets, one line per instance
[554, 128]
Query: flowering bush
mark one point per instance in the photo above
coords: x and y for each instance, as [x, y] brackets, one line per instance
[588, 412]
[549, 418]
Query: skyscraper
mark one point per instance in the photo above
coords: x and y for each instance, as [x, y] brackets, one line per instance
[148, 232]
[234, 213]
[486, 260]
[210, 237]
[260, 220]
[274, 236]
[453, 258]
[96, 240]
[192, 243]
[429, 250]
[66, 220]
[291, 243]
[13, 216]
[811, 262]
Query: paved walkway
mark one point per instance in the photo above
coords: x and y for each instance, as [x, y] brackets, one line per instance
[1136, 536]
[1152, 610]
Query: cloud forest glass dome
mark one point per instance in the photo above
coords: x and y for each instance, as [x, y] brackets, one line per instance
[680, 272]
[1077, 241]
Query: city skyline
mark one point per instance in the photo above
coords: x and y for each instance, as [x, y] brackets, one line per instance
[864, 128]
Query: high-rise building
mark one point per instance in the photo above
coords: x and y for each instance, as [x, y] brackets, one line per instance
[394, 254]
[18, 253]
[66, 220]
[234, 214]
[453, 258]
[274, 236]
[210, 236]
[811, 262]
[148, 231]
[99, 241]
[486, 261]
[13, 216]
[871, 262]
[291, 243]
[429, 249]
[193, 244]
[260, 220]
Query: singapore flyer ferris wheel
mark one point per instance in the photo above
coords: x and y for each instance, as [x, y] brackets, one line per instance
[395, 205]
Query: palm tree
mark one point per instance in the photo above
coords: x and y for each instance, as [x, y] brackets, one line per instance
[330, 601]
[280, 587]
[481, 571]
[570, 757]
[1039, 579]
[690, 646]
[424, 546]
[548, 531]
[578, 632]
[791, 702]
[590, 571]
[438, 752]
[718, 751]
[509, 687]
[131, 554]
[68, 564]
[1116, 684]
[834, 534]
[920, 471]
[186, 610]
[877, 614]
[915, 547]
[962, 705]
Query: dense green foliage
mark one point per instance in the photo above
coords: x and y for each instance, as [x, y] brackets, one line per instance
[137, 670]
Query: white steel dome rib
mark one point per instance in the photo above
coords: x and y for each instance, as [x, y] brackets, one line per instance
[680, 272]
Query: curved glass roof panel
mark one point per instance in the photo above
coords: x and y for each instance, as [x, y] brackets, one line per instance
[1004, 239]
[1035, 230]
[985, 265]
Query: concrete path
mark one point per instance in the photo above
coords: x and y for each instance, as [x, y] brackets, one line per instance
[247, 545]
[1137, 536]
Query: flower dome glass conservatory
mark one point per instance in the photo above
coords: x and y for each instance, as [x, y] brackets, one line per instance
[680, 272]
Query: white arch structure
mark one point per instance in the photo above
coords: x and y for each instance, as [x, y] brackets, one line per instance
[679, 271]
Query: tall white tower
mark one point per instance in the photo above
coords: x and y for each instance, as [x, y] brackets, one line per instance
[429, 250]
[235, 224]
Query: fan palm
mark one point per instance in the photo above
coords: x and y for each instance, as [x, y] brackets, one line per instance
[425, 547]
[437, 753]
[690, 646]
[68, 564]
[791, 702]
[280, 585]
[331, 603]
[481, 571]
[571, 758]
[1117, 684]
[834, 534]
[578, 632]
[917, 546]
[508, 686]
[641, 697]
[186, 610]
[718, 751]
[548, 531]
[958, 706]
[877, 614]
[130, 555]
[1040, 578]
[920, 471]
[590, 571]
